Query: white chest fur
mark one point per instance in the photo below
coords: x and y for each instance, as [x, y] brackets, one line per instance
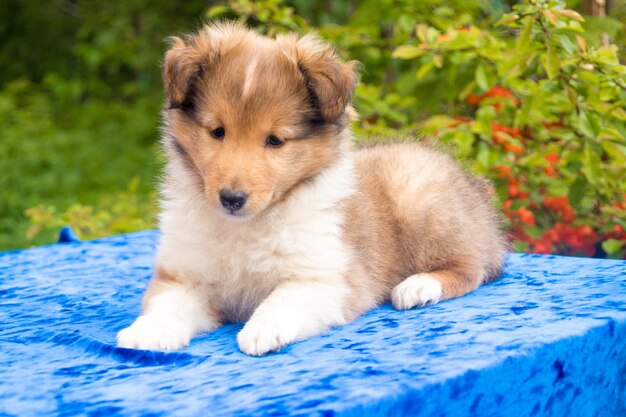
[239, 263]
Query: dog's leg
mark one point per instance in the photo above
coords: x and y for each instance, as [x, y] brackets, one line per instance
[431, 287]
[294, 311]
[172, 314]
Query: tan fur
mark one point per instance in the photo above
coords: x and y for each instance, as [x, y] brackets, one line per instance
[420, 212]
[407, 209]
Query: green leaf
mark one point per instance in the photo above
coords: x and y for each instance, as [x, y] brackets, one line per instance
[591, 167]
[408, 52]
[611, 246]
[575, 26]
[616, 151]
[484, 116]
[533, 231]
[481, 77]
[620, 254]
[483, 156]
[553, 63]
[567, 44]
[406, 23]
[607, 93]
[422, 32]
[438, 61]
[577, 190]
[507, 19]
[523, 42]
[437, 122]
[619, 113]
[610, 133]
[520, 246]
[432, 34]
[216, 11]
[464, 140]
[424, 70]
[522, 116]
[571, 14]
[585, 124]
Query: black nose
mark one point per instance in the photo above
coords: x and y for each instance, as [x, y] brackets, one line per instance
[233, 200]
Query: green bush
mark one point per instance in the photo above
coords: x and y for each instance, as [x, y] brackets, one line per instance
[126, 211]
[543, 114]
[526, 95]
[80, 95]
[60, 155]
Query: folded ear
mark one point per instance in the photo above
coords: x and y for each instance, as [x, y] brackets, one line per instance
[331, 83]
[182, 64]
[186, 61]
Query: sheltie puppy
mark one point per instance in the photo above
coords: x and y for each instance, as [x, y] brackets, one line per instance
[270, 217]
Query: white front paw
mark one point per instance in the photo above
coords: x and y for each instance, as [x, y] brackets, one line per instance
[262, 335]
[155, 333]
[417, 290]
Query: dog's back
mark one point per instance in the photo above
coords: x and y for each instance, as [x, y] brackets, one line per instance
[417, 212]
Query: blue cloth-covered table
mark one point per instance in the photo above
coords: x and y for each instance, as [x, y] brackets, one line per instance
[549, 338]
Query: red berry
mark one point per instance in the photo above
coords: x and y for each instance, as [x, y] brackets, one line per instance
[526, 216]
[514, 191]
[473, 99]
[568, 214]
[555, 203]
[552, 157]
[498, 139]
[514, 148]
[550, 171]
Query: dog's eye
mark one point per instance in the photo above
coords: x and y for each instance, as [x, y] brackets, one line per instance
[218, 133]
[274, 142]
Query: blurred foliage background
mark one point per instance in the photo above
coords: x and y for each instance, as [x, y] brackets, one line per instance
[530, 94]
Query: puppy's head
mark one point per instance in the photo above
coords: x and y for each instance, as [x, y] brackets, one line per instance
[252, 117]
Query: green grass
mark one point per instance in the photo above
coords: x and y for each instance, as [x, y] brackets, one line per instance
[60, 153]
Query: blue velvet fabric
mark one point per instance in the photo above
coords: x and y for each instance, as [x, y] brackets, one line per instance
[67, 235]
[549, 338]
